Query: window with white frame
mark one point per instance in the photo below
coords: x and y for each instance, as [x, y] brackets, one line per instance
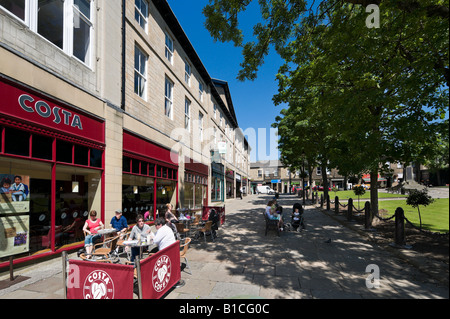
[187, 115]
[169, 48]
[67, 24]
[140, 71]
[200, 91]
[187, 73]
[319, 171]
[215, 110]
[200, 125]
[221, 118]
[141, 13]
[168, 107]
[260, 173]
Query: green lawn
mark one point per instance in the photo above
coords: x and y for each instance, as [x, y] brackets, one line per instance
[435, 217]
[345, 195]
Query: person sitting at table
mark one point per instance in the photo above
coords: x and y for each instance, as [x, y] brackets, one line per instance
[170, 217]
[119, 223]
[91, 228]
[164, 236]
[139, 232]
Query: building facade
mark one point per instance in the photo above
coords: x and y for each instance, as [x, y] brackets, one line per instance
[105, 105]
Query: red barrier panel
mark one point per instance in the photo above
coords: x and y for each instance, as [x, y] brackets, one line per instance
[94, 280]
[160, 272]
[221, 210]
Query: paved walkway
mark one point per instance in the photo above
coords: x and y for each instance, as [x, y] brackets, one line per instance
[244, 263]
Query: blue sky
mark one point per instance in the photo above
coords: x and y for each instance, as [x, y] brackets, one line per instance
[252, 100]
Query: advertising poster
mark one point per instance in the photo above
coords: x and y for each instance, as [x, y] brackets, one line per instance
[14, 194]
[14, 235]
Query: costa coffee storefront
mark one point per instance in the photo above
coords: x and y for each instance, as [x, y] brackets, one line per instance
[51, 172]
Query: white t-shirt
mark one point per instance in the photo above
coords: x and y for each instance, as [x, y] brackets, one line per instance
[164, 237]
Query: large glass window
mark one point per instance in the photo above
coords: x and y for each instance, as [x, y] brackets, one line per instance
[78, 191]
[140, 77]
[82, 30]
[165, 193]
[25, 207]
[137, 197]
[51, 21]
[169, 48]
[67, 24]
[168, 111]
[16, 7]
[141, 13]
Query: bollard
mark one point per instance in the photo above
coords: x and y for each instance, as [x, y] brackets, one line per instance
[11, 268]
[328, 202]
[336, 205]
[137, 263]
[367, 216]
[350, 209]
[321, 200]
[64, 272]
[400, 227]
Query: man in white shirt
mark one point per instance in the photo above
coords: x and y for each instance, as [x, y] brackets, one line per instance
[164, 235]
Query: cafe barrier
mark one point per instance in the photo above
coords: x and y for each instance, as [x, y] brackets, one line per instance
[160, 272]
[207, 209]
[96, 280]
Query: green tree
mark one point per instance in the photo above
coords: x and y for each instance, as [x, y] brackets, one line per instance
[384, 89]
[418, 198]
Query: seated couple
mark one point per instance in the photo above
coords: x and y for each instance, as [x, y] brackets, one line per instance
[273, 212]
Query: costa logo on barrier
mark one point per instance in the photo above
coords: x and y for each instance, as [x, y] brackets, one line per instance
[161, 273]
[98, 285]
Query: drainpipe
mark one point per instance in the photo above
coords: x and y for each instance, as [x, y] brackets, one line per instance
[122, 103]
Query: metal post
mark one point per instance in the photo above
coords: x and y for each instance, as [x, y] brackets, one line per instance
[336, 205]
[11, 268]
[350, 209]
[400, 227]
[64, 272]
[328, 202]
[367, 216]
[137, 262]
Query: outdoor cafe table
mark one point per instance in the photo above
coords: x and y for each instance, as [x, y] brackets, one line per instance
[141, 245]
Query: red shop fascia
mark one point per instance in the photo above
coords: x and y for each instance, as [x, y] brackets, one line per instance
[37, 115]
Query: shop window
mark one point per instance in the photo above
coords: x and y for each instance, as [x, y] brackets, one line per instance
[158, 171]
[81, 155]
[151, 169]
[17, 142]
[96, 158]
[135, 166]
[63, 151]
[42, 147]
[144, 168]
[126, 167]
